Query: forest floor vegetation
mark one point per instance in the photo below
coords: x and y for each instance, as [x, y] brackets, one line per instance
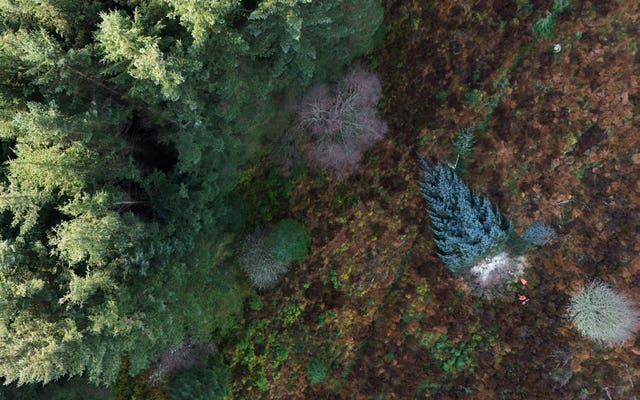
[372, 313]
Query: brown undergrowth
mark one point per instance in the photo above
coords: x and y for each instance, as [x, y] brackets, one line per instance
[558, 140]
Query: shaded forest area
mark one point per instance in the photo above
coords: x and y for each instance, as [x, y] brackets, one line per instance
[171, 252]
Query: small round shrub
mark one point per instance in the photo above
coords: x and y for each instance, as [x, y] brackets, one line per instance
[211, 383]
[603, 315]
[538, 234]
[263, 270]
[288, 241]
[316, 370]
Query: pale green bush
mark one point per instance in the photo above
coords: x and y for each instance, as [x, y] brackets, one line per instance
[603, 315]
[263, 270]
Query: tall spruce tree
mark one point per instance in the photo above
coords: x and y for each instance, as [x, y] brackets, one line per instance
[123, 126]
[466, 227]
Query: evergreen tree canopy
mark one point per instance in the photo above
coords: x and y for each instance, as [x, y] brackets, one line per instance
[123, 126]
[466, 227]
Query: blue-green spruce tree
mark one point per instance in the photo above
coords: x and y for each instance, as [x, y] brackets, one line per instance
[466, 227]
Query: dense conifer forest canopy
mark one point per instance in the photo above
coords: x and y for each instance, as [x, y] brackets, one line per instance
[286, 199]
[124, 127]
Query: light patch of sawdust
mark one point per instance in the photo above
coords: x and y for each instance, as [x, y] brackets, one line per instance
[498, 269]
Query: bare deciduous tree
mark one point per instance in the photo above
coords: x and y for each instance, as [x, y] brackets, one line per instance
[337, 124]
